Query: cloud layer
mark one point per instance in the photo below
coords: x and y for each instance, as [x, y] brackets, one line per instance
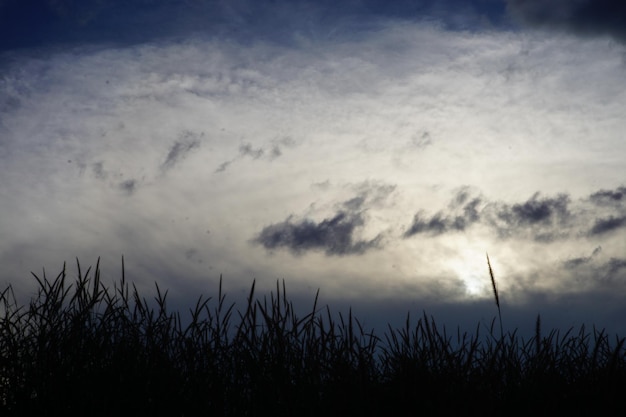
[378, 164]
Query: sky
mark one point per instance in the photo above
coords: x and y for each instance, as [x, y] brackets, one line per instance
[373, 150]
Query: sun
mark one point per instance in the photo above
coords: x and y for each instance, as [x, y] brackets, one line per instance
[470, 266]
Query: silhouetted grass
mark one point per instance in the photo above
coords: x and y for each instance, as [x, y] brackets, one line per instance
[81, 348]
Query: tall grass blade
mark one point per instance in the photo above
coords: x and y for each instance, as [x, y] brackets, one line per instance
[495, 294]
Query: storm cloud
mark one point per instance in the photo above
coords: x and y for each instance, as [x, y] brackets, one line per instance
[335, 236]
[584, 17]
[536, 210]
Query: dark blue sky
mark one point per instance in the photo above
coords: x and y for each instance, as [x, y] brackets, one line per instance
[35, 23]
[28, 23]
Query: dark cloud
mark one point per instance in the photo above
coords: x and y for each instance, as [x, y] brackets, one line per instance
[584, 17]
[275, 149]
[335, 236]
[606, 276]
[609, 197]
[247, 150]
[461, 197]
[439, 224]
[354, 203]
[279, 144]
[577, 262]
[612, 269]
[128, 186]
[464, 211]
[470, 211]
[179, 150]
[435, 225]
[609, 224]
[536, 211]
[543, 219]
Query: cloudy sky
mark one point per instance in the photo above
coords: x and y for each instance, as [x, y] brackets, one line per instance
[374, 150]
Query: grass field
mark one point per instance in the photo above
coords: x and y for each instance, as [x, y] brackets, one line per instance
[80, 348]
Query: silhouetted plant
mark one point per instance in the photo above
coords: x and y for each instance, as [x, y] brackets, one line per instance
[84, 349]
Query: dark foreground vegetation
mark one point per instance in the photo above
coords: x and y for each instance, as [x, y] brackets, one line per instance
[80, 348]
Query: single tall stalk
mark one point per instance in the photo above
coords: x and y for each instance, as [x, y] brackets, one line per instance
[495, 294]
